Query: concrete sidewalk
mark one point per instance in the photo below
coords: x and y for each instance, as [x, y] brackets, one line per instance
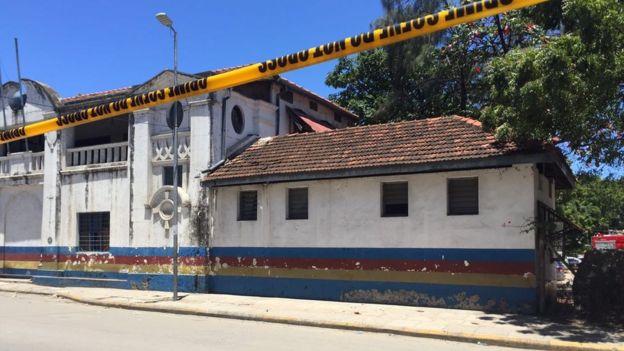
[458, 325]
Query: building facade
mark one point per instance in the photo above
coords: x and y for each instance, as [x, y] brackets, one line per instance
[429, 213]
[91, 205]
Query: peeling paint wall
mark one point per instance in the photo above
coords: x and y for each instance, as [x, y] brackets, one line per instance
[347, 251]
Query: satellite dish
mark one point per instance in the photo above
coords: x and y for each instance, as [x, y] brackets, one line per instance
[16, 103]
[176, 114]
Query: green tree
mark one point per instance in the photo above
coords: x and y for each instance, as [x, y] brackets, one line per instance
[552, 72]
[595, 204]
[568, 88]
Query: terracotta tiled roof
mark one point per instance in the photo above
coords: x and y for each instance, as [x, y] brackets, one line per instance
[394, 144]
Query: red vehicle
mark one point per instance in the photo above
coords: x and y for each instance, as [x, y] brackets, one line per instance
[608, 241]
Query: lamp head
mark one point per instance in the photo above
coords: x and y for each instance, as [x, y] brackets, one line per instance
[164, 19]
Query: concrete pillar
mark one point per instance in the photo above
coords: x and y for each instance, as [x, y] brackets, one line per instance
[140, 178]
[201, 159]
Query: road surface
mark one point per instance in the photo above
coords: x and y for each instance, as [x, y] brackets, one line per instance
[32, 322]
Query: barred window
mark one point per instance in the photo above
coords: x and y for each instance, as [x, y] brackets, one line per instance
[463, 196]
[94, 231]
[297, 203]
[394, 200]
[248, 206]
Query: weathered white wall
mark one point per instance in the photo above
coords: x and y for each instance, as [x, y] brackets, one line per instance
[95, 192]
[346, 213]
[542, 190]
[20, 215]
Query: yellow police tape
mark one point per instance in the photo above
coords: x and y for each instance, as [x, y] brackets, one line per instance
[361, 42]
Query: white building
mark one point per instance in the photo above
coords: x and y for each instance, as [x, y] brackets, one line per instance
[90, 202]
[432, 212]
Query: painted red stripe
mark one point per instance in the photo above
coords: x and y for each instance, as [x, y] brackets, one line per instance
[299, 263]
[21, 256]
[390, 265]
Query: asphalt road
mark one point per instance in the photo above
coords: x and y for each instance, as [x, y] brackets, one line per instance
[32, 322]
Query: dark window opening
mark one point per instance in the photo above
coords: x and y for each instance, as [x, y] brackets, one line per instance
[394, 200]
[108, 131]
[94, 231]
[550, 188]
[297, 203]
[313, 106]
[287, 96]
[463, 196]
[337, 117]
[35, 144]
[168, 175]
[238, 121]
[248, 206]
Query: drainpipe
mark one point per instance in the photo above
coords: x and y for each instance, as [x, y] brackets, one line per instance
[4, 125]
[277, 114]
[223, 109]
[211, 101]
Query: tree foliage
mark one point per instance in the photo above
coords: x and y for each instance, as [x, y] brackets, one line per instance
[595, 204]
[554, 71]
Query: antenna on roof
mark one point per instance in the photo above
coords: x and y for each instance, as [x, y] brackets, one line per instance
[4, 125]
[21, 95]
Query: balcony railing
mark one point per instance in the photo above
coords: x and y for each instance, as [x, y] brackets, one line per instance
[162, 147]
[97, 154]
[21, 163]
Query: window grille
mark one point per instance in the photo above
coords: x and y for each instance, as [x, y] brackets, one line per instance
[463, 196]
[248, 206]
[394, 200]
[297, 203]
[94, 231]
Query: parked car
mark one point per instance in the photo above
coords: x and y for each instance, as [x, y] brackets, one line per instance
[573, 262]
[559, 271]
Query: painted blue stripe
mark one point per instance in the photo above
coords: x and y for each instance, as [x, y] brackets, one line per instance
[163, 282]
[18, 271]
[496, 255]
[490, 298]
[115, 251]
[22, 249]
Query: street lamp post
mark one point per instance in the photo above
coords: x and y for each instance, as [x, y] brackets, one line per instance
[167, 22]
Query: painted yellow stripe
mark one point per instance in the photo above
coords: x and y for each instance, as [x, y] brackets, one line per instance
[476, 279]
[21, 264]
[333, 50]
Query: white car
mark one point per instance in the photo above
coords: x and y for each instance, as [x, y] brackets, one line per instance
[573, 262]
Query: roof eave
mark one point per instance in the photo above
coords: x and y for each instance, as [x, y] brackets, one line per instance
[443, 166]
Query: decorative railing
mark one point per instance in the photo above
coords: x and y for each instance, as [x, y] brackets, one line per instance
[162, 147]
[22, 163]
[97, 154]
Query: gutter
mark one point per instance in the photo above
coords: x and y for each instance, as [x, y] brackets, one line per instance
[443, 166]
[223, 129]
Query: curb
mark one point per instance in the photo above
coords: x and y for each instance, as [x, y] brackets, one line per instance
[488, 339]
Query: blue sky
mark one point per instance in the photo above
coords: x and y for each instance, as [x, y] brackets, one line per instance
[87, 46]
